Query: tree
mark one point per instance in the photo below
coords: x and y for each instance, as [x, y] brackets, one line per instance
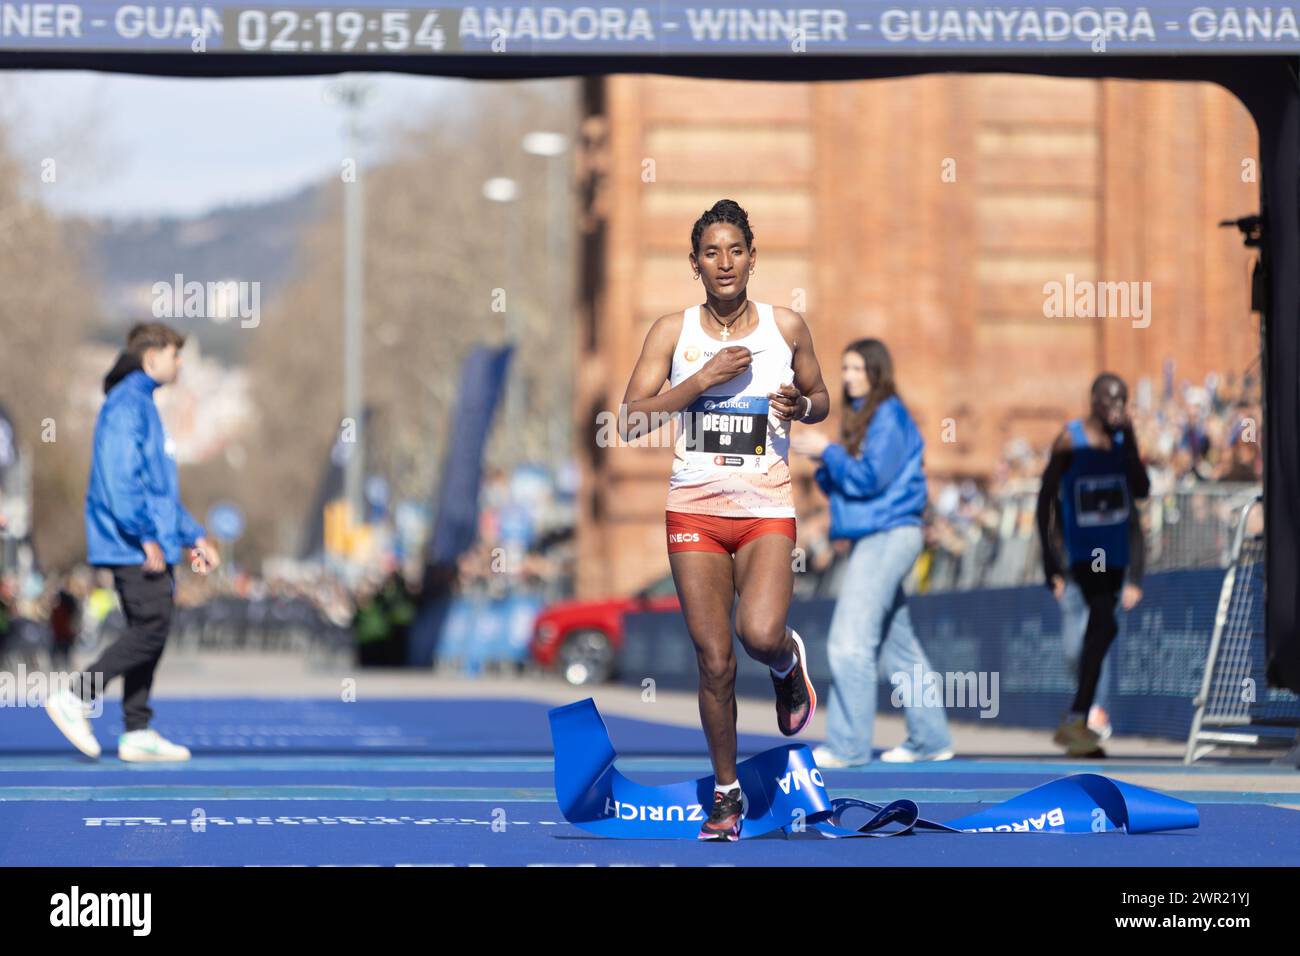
[45, 315]
[435, 252]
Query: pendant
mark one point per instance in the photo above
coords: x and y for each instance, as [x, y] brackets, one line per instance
[726, 331]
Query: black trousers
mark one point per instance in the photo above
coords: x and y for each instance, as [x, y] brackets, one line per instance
[1101, 591]
[147, 602]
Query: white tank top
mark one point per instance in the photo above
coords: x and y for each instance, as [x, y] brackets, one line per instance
[731, 453]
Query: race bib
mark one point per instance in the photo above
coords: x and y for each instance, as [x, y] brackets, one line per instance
[1100, 500]
[726, 433]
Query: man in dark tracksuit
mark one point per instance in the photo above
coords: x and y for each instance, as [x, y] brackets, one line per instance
[136, 527]
[1089, 491]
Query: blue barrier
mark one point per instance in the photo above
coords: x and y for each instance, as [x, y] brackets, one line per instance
[1007, 638]
[476, 631]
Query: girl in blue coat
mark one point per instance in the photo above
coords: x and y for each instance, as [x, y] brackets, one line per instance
[875, 480]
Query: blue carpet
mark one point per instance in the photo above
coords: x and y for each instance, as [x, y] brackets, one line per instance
[397, 782]
[354, 832]
[449, 726]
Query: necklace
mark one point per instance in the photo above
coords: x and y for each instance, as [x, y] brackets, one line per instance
[726, 326]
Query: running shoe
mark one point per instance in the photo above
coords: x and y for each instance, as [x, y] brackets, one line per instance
[1076, 738]
[905, 754]
[723, 824]
[796, 700]
[68, 712]
[142, 746]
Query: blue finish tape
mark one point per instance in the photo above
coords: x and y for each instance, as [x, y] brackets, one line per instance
[784, 790]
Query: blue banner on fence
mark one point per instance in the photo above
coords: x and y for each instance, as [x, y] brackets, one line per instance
[995, 654]
[478, 630]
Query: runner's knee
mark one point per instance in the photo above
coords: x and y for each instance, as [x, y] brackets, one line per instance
[717, 669]
[762, 639]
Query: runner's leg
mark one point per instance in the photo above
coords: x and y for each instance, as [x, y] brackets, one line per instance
[1101, 592]
[765, 584]
[706, 589]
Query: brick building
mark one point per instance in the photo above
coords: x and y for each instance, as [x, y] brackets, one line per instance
[927, 211]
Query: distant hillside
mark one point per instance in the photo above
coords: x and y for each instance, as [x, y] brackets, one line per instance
[245, 243]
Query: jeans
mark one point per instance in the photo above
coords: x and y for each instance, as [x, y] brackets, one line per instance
[147, 604]
[871, 620]
[1074, 622]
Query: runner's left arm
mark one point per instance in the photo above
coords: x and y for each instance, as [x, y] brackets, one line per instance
[1139, 483]
[807, 370]
[1137, 547]
[1139, 486]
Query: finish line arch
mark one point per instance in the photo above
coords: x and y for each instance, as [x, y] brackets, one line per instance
[1252, 52]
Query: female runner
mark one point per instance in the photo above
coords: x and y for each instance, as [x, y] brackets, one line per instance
[740, 373]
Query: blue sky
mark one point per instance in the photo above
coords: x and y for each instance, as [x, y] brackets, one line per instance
[127, 146]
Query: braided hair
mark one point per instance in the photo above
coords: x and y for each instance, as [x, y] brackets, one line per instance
[724, 210]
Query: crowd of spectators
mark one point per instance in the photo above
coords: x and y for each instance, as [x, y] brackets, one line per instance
[1193, 438]
[525, 543]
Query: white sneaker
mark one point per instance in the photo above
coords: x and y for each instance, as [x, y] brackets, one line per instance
[148, 745]
[905, 754]
[1099, 722]
[827, 759]
[68, 711]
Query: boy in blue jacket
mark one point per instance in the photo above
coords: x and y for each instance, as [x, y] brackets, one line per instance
[136, 527]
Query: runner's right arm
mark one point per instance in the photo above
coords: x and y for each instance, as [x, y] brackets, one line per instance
[644, 408]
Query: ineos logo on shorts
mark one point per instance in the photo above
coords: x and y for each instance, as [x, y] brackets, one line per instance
[676, 537]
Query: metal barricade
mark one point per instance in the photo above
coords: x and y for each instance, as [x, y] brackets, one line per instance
[1235, 706]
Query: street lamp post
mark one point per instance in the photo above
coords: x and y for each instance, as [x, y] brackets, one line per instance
[504, 191]
[351, 94]
[554, 148]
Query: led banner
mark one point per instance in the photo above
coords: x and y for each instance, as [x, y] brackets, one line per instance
[670, 29]
[783, 790]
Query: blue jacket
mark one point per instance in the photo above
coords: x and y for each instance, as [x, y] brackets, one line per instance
[134, 491]
[884, 486]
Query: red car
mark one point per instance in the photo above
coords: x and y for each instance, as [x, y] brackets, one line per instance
[581, 639]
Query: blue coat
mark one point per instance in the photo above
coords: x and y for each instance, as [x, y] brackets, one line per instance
[884, 486]
[134, 491]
